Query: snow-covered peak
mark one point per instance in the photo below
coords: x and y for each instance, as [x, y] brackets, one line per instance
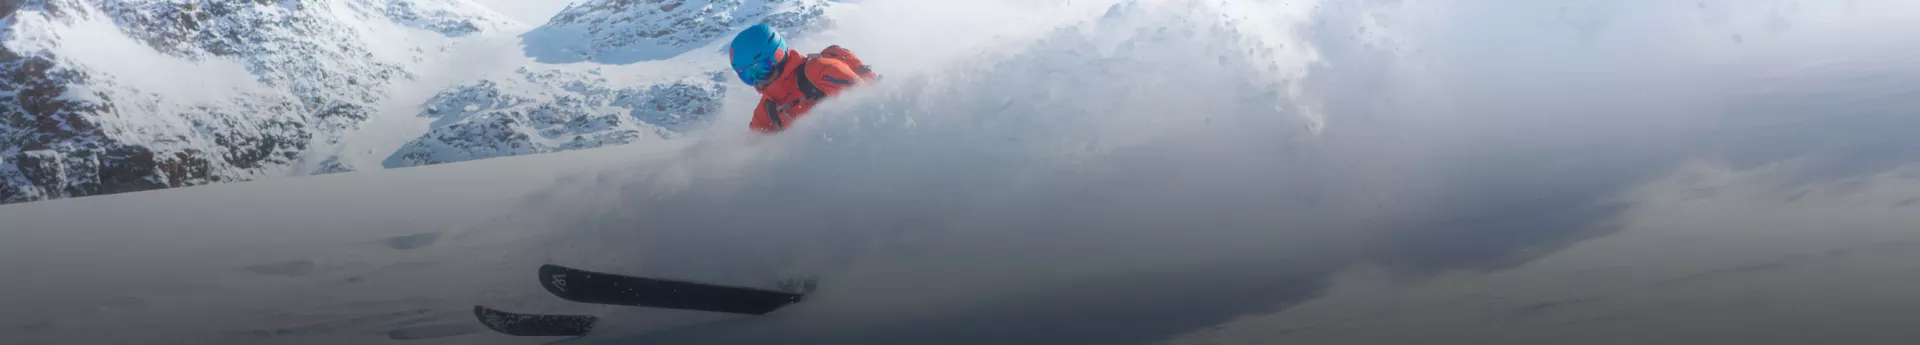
[453, 18]
[108, 96]
[222, 27]
[49, 8]
[627, 31]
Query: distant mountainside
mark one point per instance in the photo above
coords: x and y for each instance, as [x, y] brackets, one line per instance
[112, 96]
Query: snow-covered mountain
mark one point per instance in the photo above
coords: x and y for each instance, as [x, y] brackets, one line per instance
[625, 31]
[110, 96]
[546, 108]
[115, 96]
[557, 110]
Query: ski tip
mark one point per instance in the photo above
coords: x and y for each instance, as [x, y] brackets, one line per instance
[548, 269]
[554, 279]
[490, 319]
[494, 319]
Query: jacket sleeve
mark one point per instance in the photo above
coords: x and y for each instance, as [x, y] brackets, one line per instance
[763, 120]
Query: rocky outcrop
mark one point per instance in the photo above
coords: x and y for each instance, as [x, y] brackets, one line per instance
[236, 90]
[554, 110]
[72, 123]
[626, 31]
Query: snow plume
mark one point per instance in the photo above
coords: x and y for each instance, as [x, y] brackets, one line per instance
[1171, 165]
[1093, 174]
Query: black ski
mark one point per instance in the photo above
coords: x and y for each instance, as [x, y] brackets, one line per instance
[606, 288]
[534, 325]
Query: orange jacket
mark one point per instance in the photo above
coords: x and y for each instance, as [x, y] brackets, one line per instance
[804, 81]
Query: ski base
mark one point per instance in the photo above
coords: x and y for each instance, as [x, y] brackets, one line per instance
[534, 325]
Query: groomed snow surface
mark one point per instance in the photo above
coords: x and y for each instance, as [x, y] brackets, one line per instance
[1177, 172]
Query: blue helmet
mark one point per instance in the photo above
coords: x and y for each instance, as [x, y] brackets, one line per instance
[755, 51]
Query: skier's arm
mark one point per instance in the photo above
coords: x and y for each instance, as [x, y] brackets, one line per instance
[763, 118]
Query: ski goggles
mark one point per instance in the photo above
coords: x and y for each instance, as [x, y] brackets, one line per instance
[756, 72]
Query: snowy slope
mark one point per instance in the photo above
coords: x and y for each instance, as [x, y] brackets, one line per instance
[1723, 266]
[116, 96]
[1156, 172]
[225, 264]
[532, 12]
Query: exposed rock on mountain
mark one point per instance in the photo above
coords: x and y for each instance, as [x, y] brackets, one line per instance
[626, 31]
[109, 96]
[554, 110]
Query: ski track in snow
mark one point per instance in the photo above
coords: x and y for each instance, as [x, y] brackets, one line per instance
[1178, 172]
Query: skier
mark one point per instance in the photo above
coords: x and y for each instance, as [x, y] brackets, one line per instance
[790, 83]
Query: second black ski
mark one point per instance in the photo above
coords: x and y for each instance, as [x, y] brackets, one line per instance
[606, 288]
[534, 325]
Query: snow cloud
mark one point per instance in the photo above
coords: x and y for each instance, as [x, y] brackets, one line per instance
[1110, 172]
[1196, 162]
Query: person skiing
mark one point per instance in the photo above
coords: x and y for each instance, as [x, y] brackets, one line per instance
[790, 83]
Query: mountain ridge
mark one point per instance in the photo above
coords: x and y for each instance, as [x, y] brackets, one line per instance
[121, 96]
